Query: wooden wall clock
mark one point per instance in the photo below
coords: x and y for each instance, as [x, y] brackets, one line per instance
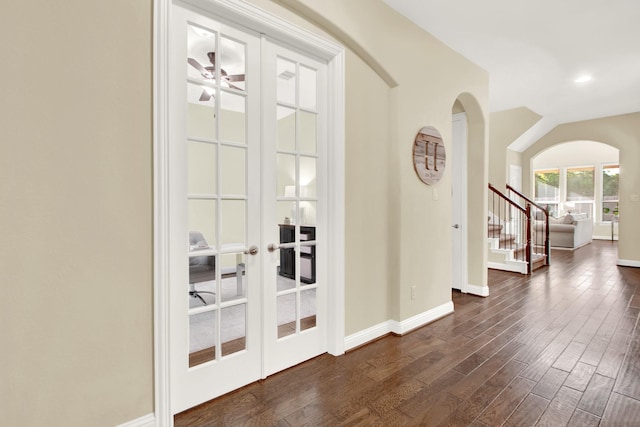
[429, 155]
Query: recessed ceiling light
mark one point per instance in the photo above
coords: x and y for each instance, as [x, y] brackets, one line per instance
[583, 79]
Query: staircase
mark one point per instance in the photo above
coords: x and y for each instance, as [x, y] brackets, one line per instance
[513, 246]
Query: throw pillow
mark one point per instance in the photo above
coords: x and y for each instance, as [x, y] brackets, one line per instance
[568, 219]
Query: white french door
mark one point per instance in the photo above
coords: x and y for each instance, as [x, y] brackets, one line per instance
[248, 215]
[295, 208]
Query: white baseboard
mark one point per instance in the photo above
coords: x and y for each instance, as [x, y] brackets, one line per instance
[605, 238]
[146, 421]
[393, 326]
[482, 291]
[628, 263]
[506, 267]
[367, 335]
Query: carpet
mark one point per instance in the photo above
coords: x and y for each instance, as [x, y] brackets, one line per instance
[202, 326]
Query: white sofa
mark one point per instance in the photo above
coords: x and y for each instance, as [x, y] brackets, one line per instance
[569, 231]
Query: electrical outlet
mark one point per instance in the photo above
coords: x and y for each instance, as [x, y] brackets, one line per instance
[413, 293]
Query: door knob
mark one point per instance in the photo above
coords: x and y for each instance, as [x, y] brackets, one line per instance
[272, 247]
[456, 225]
[252, 250]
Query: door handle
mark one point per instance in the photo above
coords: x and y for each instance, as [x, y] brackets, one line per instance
[456, 225]
[252, 250]
[272, 247]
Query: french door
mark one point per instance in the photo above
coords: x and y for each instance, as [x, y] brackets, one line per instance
[247, 167]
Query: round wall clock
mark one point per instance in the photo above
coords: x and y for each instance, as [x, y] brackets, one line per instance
[429, 156]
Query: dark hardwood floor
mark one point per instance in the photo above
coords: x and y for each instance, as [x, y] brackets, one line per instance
[559, 347]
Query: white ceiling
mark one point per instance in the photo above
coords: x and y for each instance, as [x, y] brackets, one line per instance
[535, 50]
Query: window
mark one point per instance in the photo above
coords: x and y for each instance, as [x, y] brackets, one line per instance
[610, 181]
[547, 189]
[581, 189]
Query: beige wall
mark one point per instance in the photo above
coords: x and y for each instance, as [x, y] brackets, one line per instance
[76, 185]
[506, 127]
[419, 247]
[367, 291]
[622, 132]
[76, 213]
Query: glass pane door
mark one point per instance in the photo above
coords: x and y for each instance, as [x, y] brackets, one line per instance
[247, 158]
[215, 159]
[217, 193]
[294, 183]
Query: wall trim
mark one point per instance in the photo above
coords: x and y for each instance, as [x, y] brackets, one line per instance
[367, 335]
[615, 238]
[393, 326]
[482, 291]
[148, 420]
[161, 258]
[628, 263]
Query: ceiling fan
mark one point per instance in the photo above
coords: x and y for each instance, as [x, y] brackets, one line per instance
[209, 72]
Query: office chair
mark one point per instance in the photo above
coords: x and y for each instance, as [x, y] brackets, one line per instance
[201, 268]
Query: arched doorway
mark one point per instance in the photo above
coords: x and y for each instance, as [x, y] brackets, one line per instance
[469, 201]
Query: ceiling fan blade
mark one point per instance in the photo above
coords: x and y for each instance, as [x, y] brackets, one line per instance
[195, 64]
[235, 78]
[205, 96]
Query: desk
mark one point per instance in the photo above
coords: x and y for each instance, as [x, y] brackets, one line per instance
[307, 253]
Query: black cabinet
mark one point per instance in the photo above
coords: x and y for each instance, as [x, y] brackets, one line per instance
[307, 253]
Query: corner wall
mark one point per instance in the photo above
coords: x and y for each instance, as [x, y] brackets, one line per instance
[506, 127]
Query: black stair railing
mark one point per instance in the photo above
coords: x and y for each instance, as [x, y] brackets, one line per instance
[540, 215]
[512, 225]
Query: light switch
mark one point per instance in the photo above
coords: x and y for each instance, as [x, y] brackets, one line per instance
[435, 194]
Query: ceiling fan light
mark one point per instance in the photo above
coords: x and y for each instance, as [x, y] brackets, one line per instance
[201, 31]
[583, 79]
[286, 75]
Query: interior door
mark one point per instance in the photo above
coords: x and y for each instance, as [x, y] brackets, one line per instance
[247, 169]
[459, 273]
[215, 305]
[294, 88]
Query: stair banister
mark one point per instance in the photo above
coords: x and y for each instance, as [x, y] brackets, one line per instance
[529, 243]
[508, 200]
[547, 242]
[507, 207]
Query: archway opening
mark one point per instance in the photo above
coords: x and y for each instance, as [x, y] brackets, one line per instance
[580, 177]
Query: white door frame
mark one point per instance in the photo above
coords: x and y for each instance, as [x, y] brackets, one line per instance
[244, 14]
[459, 194]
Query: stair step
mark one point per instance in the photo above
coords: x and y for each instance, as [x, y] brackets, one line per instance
[538, 261]
[494, 230]
[507, 241]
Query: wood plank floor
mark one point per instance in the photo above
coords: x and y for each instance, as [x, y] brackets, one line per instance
[560, 347]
